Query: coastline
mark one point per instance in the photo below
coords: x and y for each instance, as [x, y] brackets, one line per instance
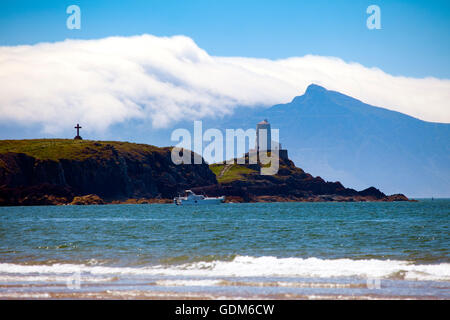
[93, 199]
[90, 200]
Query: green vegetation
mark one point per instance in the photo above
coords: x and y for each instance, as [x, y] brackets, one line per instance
[216, 168]
[55, 149]
[227, 173]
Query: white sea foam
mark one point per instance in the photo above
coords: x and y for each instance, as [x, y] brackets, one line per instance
[7, 278]
[245, 266]
[176, 283]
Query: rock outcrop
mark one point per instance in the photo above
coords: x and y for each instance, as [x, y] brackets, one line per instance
[87, 200]
[243, 183]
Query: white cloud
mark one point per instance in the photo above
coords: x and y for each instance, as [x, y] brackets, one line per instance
[102, 82]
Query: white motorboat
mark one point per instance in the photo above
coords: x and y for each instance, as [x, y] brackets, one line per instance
[194, 199]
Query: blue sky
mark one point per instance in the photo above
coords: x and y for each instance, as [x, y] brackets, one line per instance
[413, 41]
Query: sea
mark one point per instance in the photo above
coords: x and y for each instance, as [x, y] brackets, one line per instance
[327, 250]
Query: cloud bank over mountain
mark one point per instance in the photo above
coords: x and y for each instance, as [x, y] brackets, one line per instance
[166, 79]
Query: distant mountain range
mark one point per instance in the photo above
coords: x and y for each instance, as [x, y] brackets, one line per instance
[340, 138]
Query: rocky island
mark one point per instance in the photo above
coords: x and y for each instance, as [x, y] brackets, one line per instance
[62, 171]
[244, 183]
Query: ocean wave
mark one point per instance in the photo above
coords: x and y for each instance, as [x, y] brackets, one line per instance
[246, 266]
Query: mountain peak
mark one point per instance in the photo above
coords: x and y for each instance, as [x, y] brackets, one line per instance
[311, 90]
[314, 88]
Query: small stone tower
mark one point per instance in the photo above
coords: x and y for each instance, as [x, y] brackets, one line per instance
[260, 135]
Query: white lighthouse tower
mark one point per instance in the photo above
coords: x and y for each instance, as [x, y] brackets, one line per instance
[263, 136]
[264, 142]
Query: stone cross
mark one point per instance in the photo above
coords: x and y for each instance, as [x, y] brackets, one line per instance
[78, 137]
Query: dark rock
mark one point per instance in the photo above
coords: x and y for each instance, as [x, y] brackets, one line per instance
[87, 200]
[372, 192]
[397, 197]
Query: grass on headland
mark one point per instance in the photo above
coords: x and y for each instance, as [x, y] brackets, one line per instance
[55, 149]
[234, 172]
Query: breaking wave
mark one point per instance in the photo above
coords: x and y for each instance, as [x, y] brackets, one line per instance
[246, 266]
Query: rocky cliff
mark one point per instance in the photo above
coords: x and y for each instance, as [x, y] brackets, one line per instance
[243, 183]
[34, 172]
